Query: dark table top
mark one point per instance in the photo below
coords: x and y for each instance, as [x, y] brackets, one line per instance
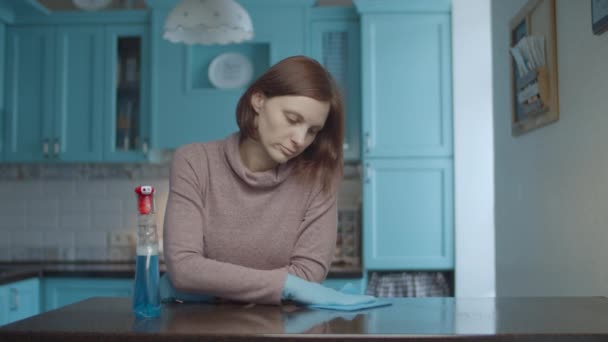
[478, 319]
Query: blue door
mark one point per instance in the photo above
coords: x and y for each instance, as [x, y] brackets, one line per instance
[78, 88]
[29, 97]
[408, 214]
[125, 88]
[407, 85]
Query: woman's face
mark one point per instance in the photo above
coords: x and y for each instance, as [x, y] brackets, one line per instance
[287, 125]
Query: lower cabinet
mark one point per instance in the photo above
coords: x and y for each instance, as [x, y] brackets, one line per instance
[59, 292]
[19, 300]
[408, 214]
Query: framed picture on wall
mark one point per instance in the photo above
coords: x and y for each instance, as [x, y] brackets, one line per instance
[533, 47]
[599, 16]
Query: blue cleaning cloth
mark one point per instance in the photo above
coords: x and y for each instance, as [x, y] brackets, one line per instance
[373, 304]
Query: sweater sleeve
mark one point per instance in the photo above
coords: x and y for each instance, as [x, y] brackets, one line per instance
[187, 266]
[314, 248]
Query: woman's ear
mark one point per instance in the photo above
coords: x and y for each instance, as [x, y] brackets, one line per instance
[257, 101]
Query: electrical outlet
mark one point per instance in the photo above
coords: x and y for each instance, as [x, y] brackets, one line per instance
[121, 239]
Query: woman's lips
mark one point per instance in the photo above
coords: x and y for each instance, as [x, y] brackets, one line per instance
[286, 151]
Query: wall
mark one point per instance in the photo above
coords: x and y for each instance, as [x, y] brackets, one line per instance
[473, 150]
[68, 212]
[551, 194]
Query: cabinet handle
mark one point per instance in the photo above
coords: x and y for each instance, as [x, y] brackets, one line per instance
[144, 147]
[368, 142]
[366, 173]
[45, 148]
[14, 300]
[56, 147]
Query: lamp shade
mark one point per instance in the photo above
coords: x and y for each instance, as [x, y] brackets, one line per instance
[208, 22]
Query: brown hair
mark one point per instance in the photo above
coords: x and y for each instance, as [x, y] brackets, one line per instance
[302, 76]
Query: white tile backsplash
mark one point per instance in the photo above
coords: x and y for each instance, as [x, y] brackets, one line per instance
[75, 206]
[66, 212]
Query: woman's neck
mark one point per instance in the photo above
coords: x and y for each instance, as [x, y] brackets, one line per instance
[254, 157]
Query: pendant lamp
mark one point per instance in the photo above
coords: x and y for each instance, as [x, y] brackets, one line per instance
[208, 22]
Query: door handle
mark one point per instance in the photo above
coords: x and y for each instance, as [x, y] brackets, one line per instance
[144, 147]
[367, 173]
[56, 148]
[45, 148]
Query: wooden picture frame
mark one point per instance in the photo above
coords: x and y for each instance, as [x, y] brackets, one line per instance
[536, 18]
[599, 16]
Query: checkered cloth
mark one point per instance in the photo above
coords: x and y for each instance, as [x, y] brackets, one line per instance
[408, 284]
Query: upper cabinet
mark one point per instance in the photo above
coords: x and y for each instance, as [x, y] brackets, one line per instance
[30, 103]
[127, 104]
[75, 92]
[335, 43]
[408, 104]
[185, 106]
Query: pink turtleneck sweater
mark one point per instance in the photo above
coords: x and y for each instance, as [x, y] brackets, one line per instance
[235, 234]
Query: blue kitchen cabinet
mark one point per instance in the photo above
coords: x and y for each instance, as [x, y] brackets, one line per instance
[406, 78]
[408, 214]
[29, 93]
[3, 305]
[2, 80]
[65, 91]
[407, 135]
[52, 95]
[126, 93]
[335, 43]
[58, 292]
[19, 300]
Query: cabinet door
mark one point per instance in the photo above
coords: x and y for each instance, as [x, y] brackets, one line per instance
[29, 96]
[2, 82]
[406, 80]
[59, 292]
[408, 214]
[78, 87]
[3, 305]
[126, 93]
[335, 44]
[23, 299]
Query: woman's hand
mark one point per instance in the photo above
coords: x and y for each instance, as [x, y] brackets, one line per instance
[306, 292]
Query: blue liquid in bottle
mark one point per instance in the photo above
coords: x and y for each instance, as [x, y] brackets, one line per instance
[146, 297]
[146, 294]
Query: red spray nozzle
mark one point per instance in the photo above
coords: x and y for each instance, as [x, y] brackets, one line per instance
[145, 202]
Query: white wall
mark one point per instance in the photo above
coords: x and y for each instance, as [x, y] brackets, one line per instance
[551, 188]
[473, 149]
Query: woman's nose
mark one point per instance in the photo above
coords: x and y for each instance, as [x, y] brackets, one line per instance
[299, 136]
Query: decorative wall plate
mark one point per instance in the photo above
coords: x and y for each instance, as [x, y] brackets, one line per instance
[230, 70]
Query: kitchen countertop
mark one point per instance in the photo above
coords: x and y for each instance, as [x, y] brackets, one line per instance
[437, 319]
[11, 272]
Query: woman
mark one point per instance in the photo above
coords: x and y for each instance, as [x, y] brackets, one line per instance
[253, 217]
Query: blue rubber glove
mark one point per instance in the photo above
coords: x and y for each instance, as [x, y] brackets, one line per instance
[168, 293]
[306, 292]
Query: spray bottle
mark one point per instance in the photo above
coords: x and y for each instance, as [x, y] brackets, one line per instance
[146, 296]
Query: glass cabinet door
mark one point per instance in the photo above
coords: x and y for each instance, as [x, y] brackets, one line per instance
[128, 125]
